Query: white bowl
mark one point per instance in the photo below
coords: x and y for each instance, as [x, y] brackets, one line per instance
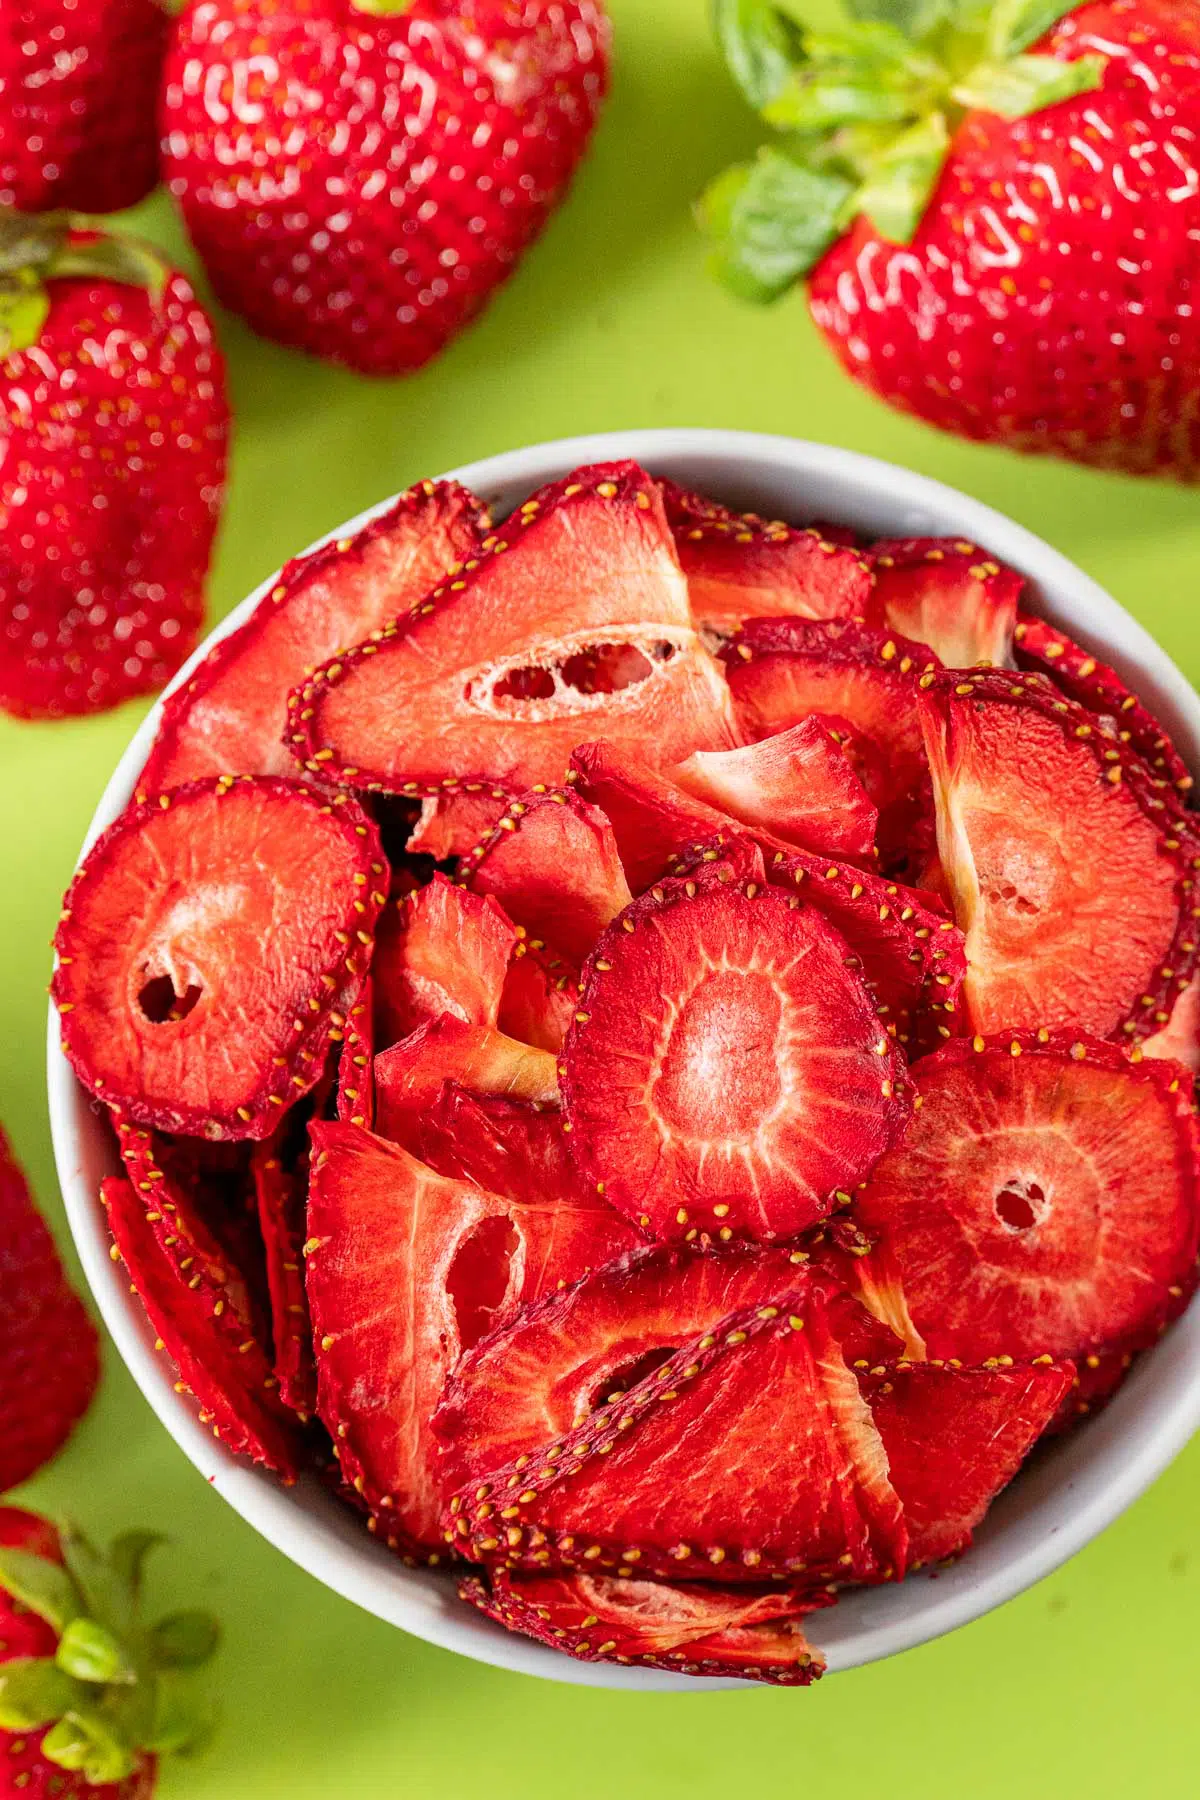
[1077, 1486]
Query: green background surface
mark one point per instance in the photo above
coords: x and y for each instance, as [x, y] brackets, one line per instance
[1084, 1686]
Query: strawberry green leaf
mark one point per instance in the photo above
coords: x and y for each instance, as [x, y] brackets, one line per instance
[896, 191]
[770, 221]
[915, 18]
[1015, 24]
[1026, 84]
[863, 75]
[90, 1653]
[108, 1599]
[182, 1722]
[761, 46]
[42, 1586]
[128, 1552]
[33, 1691]
[24, 307]
[121, 259]
[184, 1640]
[84, 1740]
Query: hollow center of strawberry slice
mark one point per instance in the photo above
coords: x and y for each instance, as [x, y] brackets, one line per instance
[479, 1278]
[720, 1070]
[165, 1004]
[572, 674]
[1021, 1203]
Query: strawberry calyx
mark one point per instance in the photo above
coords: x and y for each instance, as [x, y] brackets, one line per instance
[117, 1688]
[865, 111]
[36, 248]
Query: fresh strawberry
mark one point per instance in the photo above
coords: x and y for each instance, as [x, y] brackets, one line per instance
[358, 179]
[116, 424]
[207, 948]
[453, 822]
[968, 261]
[954, 1438]
[229, 719]
[409, 1076]
[476, 681]
[951, 595]
[78, 126]
[406, 1269]
[680, 1626]
[738, 569]
[50, 1365]
[439, 950]
[552, 863]
[1044, 1201]
[1071, 867]
[750, 1453]
[798, 784]
[92, 1695]
[1083, 678]
[540, 997]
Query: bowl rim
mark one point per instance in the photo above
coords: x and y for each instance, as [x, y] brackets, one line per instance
[1127, 1446]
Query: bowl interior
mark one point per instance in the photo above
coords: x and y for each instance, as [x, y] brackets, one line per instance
[1071, 1490]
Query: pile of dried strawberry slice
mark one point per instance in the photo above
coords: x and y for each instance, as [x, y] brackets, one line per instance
[650, 1047]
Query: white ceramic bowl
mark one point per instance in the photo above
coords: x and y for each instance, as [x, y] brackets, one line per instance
[1076, 1488]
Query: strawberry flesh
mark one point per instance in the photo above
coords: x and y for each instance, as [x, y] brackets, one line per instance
[409, 1076]
[473, 682]
[552, 864]
[439, 950]
[356, 1065]
[540, 997]
[1044, 1200]
[208, 948]
[453, 822]
[797, 784]
[727, 1071]
[740, 568]
[951, 595]
[230, 717]
[1071, 873]
[280, 1203]
[507, 1146]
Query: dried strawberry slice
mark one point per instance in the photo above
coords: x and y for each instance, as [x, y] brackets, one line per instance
[409, 1076]
[475, 681]
[439, 950]
[1100, 689]
[540, 996]
[954, 1438]
[209, 942]
[725, 1066]
[1071, 873]
[280, 1201]
[1178, 1040]
[453, 822]
[405, 1270]
[951, 595]
[233, 1395]
[229, 719]
[552, 863]
[1045, 1198]
[509, 1147]
[681, 1626]
[749, 1453]
[740, 567]
[356, 1079]
[798, 784]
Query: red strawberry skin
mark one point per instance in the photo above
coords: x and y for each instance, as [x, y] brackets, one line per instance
[50, 1363]
[113, 431]
[78, 91]
[1047, 301]
[358, 186]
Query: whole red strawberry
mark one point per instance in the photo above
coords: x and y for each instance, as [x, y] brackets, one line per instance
[90, 1695]
[358, 185]
[1010, 250]
[113, 429]
[49, 1359]
[78, 88]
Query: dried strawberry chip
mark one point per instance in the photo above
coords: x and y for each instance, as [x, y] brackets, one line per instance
[356, 1078]
[749, 1453]
[1044, 1200]
[687, 506]
[1100, 689]
[409, 1076]
[474, 682]
[726, 1069]
[280, 1199]
[1179, 1039]
[951, 595]
[540, 996]
[580, 1351]
[954, 1438]
[230, 1390]
[682, 1626]
[798, 784]
[453, 822]
[552, 863]
[229, 719]
[206, 948]
[405, 1270]
[653, 819]
[509, 1147]
[741, 568]
[439, 950]
[1072, 874]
